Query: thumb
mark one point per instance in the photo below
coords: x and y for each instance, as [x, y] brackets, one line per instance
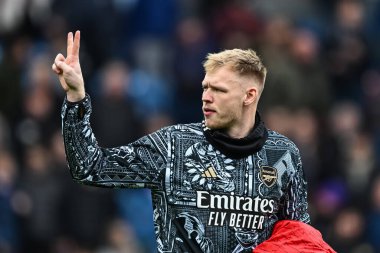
[64, 69]
[62, 66]
[63, 83]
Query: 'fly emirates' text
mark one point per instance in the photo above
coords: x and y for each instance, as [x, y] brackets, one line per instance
[235, 211]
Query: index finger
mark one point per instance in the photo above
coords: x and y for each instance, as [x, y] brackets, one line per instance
[69, 43]
[76, 45]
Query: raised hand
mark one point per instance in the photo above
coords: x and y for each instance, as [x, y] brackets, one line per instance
[68, 69]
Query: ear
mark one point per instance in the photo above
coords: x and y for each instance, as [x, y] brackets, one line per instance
[251, 95]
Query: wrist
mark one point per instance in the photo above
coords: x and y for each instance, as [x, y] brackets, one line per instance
[75, 96]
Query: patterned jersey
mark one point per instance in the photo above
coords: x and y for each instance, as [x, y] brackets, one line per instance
[203, 201]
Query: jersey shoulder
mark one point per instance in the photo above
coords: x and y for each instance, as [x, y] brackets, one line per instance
[279, 141]
[195, 128]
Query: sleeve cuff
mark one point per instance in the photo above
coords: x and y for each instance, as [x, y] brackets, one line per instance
[75, 111]
[84, 100]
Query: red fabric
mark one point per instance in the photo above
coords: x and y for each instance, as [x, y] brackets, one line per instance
[294, 237]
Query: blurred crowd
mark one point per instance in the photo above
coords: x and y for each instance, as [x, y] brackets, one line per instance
[141, 61]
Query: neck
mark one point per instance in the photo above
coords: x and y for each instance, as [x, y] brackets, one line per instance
[243, 128]
[235, 147]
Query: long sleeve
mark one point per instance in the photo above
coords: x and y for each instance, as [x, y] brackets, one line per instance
[135, 165]
[296, 195]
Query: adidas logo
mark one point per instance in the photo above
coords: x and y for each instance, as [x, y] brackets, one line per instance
[209, 173]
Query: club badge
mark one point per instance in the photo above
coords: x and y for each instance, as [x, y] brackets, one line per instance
[268, 175]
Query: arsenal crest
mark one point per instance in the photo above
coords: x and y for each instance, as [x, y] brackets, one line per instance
[268, 175]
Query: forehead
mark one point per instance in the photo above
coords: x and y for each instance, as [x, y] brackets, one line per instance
[222, 75]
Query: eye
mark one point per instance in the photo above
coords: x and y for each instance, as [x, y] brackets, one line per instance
[220, 90]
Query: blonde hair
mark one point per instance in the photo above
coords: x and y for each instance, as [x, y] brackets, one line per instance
[244, 62]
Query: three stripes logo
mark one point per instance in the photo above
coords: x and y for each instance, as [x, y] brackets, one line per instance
[209, 173]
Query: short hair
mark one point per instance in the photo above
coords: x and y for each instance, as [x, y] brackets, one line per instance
[244, 62]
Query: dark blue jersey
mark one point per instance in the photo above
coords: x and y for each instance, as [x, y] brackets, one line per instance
[203, 201]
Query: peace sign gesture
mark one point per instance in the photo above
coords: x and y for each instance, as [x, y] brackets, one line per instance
[68, 69]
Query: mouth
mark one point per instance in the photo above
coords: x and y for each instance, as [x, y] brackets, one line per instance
[208, 111]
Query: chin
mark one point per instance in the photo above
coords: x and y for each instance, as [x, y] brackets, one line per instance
[208, 124]
[213, 125]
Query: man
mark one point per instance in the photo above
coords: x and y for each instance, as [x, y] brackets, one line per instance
[217, 186]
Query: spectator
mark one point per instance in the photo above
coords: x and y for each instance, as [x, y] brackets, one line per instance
[9, 238]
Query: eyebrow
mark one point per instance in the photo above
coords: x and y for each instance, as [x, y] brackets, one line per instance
[213, 86]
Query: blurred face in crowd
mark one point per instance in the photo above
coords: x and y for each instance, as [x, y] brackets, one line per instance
[224, 96]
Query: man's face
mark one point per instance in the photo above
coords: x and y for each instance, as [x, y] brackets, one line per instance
[223, 97]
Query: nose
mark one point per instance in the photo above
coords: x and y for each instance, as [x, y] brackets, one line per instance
[206, 96]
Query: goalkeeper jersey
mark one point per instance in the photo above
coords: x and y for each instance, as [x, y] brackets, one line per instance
[204, 199]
